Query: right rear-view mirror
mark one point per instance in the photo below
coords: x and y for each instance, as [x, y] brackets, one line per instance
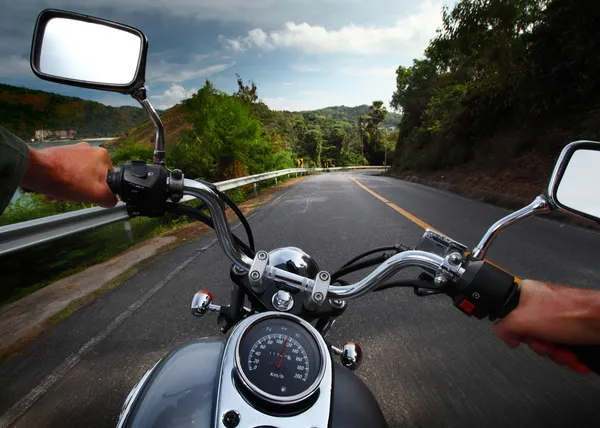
[575, 184]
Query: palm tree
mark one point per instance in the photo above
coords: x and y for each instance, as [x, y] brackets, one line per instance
[377, 113]
[363, 125]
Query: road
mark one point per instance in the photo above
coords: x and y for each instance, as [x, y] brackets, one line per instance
[428, 365]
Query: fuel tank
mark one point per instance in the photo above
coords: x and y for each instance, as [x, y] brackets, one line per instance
[181, 392]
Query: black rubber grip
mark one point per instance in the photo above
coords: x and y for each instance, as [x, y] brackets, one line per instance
[587, 354]
[112, 181]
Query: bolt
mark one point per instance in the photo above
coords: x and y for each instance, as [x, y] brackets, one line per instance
[455, 259]
[262, 255]
[318, 297]
[254, 275]
[338, 304]
[231, 419]
[238, 270]
[440, 280]
[324, 276]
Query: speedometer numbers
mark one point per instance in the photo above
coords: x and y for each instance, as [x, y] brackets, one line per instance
[280, 359]
[281, 356]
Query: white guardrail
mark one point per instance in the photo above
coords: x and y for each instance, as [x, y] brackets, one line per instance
[19, 236]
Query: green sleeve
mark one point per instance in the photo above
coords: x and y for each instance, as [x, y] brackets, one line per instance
[14, 157]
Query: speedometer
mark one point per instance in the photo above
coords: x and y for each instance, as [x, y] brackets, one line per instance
[280, 360]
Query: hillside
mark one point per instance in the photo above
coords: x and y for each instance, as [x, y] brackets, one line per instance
[351, 114]
[23, 110]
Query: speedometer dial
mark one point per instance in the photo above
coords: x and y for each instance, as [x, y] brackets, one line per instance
[279, 359]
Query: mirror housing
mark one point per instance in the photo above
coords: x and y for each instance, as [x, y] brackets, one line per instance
[574, 186]
[111, 43]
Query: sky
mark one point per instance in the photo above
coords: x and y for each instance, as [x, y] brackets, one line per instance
[302, 54]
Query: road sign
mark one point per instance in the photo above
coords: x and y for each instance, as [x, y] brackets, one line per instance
[300, 163]
[325, 164]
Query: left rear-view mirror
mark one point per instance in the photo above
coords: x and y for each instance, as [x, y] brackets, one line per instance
[89, 52]
[575, 184]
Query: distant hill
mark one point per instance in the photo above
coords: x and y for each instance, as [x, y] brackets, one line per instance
[174, 122]
[23, 110]
[350, 114]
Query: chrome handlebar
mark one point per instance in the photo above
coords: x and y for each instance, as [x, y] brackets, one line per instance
[212, 201]
[384, 271]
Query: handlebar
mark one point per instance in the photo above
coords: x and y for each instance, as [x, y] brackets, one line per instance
[479, 289]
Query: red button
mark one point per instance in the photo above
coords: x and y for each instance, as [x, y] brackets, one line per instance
[466, 306]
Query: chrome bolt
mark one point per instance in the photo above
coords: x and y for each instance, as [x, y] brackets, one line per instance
[455, 259]
[318, 297]
[440, 280]
[254, 275]
[338, 304]
[238, 270]
[262, 255]
[282, 301]
[324, 276]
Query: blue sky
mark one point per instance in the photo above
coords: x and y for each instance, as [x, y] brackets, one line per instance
[302, 54]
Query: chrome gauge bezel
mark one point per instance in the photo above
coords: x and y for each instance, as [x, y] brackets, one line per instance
[275, 399]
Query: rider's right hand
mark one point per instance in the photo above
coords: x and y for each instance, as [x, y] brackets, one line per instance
[549, 314]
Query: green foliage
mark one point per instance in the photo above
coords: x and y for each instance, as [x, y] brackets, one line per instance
[32, 205]
[129, 151]
[498, 65]
[22, 111]
[226, 139]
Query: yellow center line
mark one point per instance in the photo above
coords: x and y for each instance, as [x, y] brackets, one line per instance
[413, 218]
[392, 205]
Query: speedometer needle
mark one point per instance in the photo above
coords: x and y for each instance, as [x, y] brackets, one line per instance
[282, 352]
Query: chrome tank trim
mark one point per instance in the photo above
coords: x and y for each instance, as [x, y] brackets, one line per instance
[229, 397]
[133, 395]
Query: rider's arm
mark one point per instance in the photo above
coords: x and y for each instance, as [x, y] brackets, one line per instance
[549, 314]
[14, 158]
[74, 173]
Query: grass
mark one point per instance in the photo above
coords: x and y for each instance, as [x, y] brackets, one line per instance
[29, 270]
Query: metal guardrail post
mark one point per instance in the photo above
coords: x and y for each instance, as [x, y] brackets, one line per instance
[255, 192]
[128, 231]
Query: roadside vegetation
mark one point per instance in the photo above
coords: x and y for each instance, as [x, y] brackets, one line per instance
[498, 92]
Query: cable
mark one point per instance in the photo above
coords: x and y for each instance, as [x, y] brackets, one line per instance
[368, 253]
[414, 283]
[235, 209]
[200, 216]
[359, 266]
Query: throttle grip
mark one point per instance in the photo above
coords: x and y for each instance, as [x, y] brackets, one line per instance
[589, 355]
[112, 179]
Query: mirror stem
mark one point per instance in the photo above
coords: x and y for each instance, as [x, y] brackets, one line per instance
[539, 206]
[159, 145]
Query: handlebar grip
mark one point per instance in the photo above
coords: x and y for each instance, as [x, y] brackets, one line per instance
[589, 355]
[112, 179]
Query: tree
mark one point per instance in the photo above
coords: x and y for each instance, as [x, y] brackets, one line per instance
[246, 93]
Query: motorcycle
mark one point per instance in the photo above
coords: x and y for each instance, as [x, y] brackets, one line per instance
[274, 366]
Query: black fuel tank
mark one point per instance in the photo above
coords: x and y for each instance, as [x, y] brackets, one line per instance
[354, 405]
[182, 389]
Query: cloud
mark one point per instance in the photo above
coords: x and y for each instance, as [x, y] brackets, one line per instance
[174, 72]
[173, 95]
[410, 33]
[370, 72]
[305, 68]
[15, 66]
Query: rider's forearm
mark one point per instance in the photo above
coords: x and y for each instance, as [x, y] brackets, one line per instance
[39, 171]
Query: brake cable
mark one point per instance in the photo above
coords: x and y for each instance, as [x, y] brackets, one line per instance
[198, 215]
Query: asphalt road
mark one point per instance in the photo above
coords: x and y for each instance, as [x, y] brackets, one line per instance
[428, 365]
